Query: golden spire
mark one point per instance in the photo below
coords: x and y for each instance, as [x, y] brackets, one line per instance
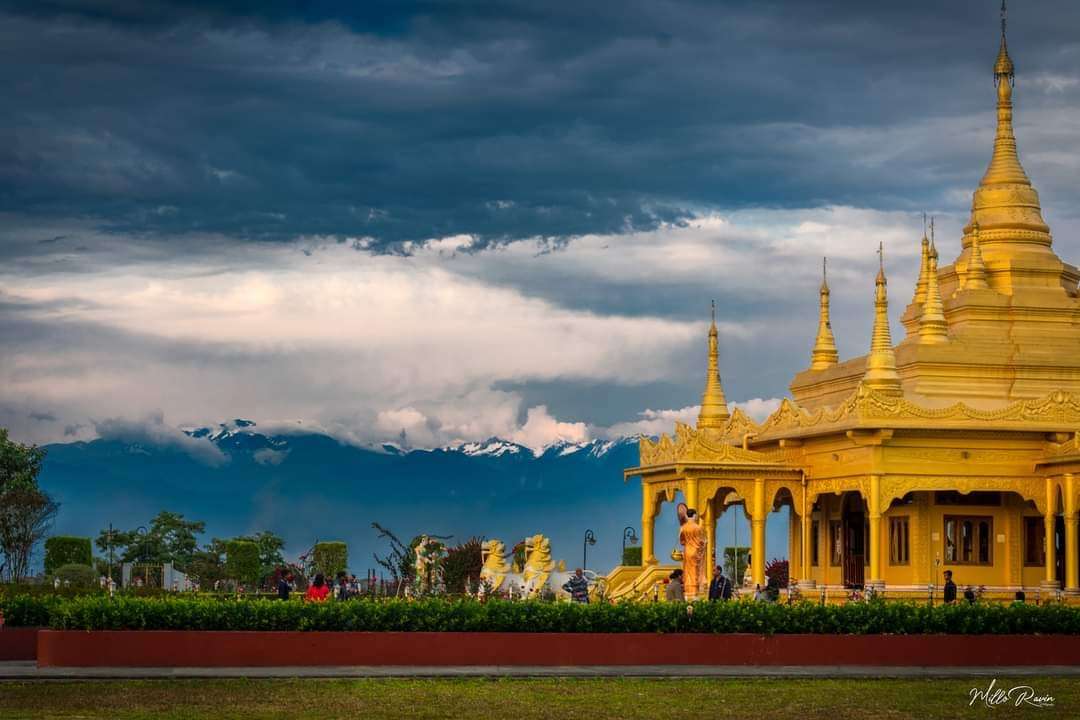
[881, 372]
[932, 326]
[824, 354]
[714, 412]
[975, 276]
[924, 267]
[1005, 204]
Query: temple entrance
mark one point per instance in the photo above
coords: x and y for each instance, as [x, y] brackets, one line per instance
[1059, 549]
[853, 541]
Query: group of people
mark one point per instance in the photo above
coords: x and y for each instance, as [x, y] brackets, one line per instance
[319, 590]
[720, 588]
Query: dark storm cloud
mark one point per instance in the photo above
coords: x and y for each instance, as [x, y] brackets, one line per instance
[398, 121]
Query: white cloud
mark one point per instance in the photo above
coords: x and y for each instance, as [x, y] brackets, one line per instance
[541, 429]
[657, 422]
[153, 431]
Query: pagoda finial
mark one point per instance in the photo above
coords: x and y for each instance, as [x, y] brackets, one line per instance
[933, 329]
[975, 276]
[924, 266]
[881, 372]
[714, 412]
[824, 354]
[1005, 165]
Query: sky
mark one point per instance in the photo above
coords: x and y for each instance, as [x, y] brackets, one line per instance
[435, 222]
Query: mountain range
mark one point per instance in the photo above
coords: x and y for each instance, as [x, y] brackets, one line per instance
[308, 486]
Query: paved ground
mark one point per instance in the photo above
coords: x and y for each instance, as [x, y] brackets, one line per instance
[30, 671]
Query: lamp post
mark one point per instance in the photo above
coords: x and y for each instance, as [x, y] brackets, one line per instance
[144, 534]
[590, 539]
[628, 534]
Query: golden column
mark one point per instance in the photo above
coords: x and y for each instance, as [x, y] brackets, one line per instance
[1072, 582]
[757, 535]
[709, 517]
[874, 506]
[807, 525]
[1048, 524]
[648, 521]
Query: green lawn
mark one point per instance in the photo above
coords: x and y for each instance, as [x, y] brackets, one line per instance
[585, 699]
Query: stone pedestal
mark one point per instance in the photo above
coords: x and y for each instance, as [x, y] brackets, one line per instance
[876, 586]
[805, 585]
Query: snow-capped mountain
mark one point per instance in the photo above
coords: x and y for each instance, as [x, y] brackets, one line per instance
[240, 478]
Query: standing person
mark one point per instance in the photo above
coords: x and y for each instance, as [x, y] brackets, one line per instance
[720, 587]
[318, 591]
[692, 538]
[342, 586]
[284, 586]
[578, 587]
[674, 590]
[950, 588]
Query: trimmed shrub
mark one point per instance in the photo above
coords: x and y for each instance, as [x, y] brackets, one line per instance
[463, 564]
[77, 576]
[99, 612]
[330, 558]
[631, 556]
[65, 550]
[242, 561]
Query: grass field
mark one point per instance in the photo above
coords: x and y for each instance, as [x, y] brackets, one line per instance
[585, 699]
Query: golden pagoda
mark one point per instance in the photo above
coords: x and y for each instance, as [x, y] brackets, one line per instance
[953, 449]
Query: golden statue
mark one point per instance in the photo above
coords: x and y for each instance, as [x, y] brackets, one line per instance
[495, 569]
[538, 564]
[692, 538]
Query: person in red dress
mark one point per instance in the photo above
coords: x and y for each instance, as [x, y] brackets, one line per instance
[318, 591]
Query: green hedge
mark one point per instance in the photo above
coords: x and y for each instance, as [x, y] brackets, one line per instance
[330, 558]
[242, 561]
[631, 557]
[66, 550]
[132, 613]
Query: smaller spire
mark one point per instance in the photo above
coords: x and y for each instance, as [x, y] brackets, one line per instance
[924, 266]
[933, 329]
[714, 412]
[824, 354]
[975, 276]
[881, 372]
[1003, 67]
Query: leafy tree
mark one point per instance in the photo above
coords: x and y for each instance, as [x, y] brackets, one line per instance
[270, 546]
[19, 464]
[400, 562]
[65, 550]
[735, 570]
[26, 515]
[26, 511]
[242, 561]
[170, 538]
[463, 564]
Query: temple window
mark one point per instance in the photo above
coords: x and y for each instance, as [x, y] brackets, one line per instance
[969, 540]
[899, 553]
[1034, 542]
[814, 527]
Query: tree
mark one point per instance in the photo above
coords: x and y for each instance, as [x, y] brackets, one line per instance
[19, 464]
[462, 566]
[270, 546]
[242, 561]
[26, 515]
[400, 562]
[170, 538]
[26, 511]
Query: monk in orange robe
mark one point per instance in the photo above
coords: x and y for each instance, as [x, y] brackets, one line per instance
[692, 538]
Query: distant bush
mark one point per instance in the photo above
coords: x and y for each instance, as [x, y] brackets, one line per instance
[65, 550]
[631, 556]
[98, 612]
[77, 576]
[242, 561]
[330, 558]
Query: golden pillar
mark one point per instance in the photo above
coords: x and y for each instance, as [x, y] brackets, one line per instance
[874, 506]
[757, 535]
[1071, 570]
[709, 516]
[648, 521]
[1049, 531]
[807, 520]
[690, 490]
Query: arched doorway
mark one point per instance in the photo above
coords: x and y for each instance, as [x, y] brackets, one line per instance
[851, 539]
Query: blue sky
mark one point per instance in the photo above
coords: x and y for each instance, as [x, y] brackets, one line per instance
[465, 219]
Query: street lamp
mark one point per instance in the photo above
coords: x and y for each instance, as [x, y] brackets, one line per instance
[628, 534]
[143, 533]
[590, 539]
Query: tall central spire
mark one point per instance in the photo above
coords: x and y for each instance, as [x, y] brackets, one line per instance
[714, 412]
[881, 372]
[1005, 206]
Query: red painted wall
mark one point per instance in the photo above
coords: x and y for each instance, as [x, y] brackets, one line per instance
[18, 643]
[167, 648]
